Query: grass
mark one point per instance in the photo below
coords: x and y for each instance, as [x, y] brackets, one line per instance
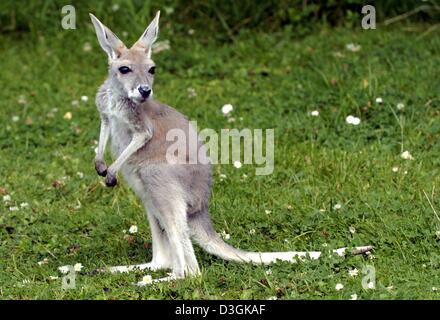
[273, 81]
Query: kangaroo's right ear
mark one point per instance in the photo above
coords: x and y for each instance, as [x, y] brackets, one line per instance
[109, 42]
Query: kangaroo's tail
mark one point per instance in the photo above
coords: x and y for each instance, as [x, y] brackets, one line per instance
[204, 234]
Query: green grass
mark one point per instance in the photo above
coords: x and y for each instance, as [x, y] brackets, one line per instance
[273, 81]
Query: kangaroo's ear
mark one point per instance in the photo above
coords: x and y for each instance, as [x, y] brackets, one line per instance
[109, 42]
[147, 39]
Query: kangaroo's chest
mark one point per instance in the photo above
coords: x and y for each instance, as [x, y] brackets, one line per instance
[120, 128]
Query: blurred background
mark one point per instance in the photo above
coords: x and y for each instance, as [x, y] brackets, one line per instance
[216, 19]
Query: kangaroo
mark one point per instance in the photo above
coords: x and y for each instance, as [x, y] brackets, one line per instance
[175, 194]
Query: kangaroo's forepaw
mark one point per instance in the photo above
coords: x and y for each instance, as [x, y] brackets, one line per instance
[101, 168]
[110, 180]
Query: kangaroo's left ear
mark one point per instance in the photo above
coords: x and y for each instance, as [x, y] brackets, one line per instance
[147, 39]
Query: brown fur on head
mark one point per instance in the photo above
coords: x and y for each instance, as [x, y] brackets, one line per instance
[131, 71]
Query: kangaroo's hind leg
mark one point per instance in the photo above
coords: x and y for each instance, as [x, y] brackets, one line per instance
[168, 198]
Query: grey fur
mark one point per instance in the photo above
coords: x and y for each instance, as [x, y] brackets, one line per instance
[175, 196]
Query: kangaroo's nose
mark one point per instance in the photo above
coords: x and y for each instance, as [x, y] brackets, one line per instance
[145, 91]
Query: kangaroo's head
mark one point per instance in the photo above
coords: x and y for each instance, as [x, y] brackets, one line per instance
[131, 71]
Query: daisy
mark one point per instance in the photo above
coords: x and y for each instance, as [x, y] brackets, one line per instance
[148, 279]
[87, 47]
[7, 198]
[252, 231]
[314, 113]
[237, 164]
[353, 120]
[379, 100]
[64, 269]
[77, 267]
[406, 155]
[84, 98]
[68, 116]
[192, 92]
[353, 273]
[339, 286]
[371, 285]
[354, 296]
[353, 47]
[227, 108]
[337, 206]
[133, 229]
[395, 169]
[400, 106]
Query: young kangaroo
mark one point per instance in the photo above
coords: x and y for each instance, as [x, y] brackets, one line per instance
[175, 194]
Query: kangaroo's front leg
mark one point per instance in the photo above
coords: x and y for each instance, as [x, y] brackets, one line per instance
[104, 134]
[138, 140]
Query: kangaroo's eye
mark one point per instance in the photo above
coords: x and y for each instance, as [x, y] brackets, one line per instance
[124, 69]
[152, 70]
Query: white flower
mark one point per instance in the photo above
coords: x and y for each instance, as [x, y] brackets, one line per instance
[80, 174]
[87, 47]
[272, 298]
[314, 113]
[268, 211]
[379, 100]
[269, 272]
[24, 204]
[225, 235]
[339, 286]
[371, 285]
[222, 176]
[227, 108]
[133, 229]
[75, 103]
[237, 164]
[84, 98]
[353, 120]
[7, 198]
[354, 296]
[115, 7]
[231, 119]
[53, 277]
[395, 169]
[400, 106]
[192, 92]
[15, 118]
[437, 234]
[44, 261]
[352, 229]
[22, 99]
[191, 32]
[353, 47]
[68, 116]
[406, 155]
[64, 269]
[13, 208]
[77, 267]
[337, 206]
[434, 289]
[252, 231]
[148, 279]
[353, 273]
